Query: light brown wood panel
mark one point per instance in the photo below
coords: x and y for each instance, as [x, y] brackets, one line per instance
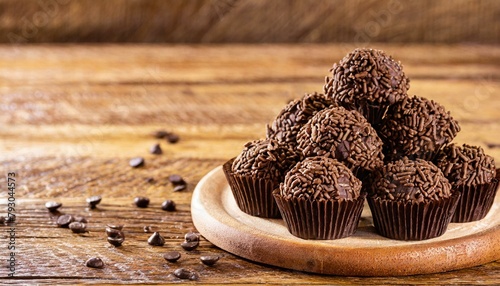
[72, 116]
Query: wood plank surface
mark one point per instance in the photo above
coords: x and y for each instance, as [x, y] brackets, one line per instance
[72, 116]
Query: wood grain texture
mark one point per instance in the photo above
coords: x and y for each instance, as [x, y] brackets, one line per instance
[72, 116]
[249, 21]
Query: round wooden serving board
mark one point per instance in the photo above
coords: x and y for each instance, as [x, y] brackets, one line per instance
[218, 218]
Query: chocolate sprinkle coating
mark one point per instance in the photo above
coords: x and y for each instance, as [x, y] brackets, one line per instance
[287, 124]
[265, 159]
[406, 180]
[466, 165]
[344, 135]
[417, 127]
[320, 178]
[366, 76]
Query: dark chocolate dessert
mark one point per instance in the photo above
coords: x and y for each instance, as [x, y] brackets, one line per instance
[368, 81]
[417, 128]
[344, 135]
[295, 114]
[265, 159]
[411, 200]
[256, 172]
[320, 199]
[472, 173]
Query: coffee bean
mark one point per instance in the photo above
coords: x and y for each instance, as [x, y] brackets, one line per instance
[155, 149]
[80, 219]
[168, 205]
[160, 134]
[156, 239]
[209, 259]
[94, 262]
[136, 162]
[179, 188]
[116, 241]
[176, 180]
[111, 232]
[185, 274]
[78, 227]
[141, 202]
[191, 236]
[52, 206]
[64, 220]
[190, 245]
[93, 201]
[150, 180]
[172, 256]
[148, 229]
[172, 138]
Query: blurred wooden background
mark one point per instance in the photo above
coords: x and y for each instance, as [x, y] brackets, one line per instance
[250, 21]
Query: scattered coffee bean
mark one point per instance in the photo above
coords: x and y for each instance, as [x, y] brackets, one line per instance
[150, 180]
[209, 259]
[52, 206]
[78, 227]
[136, 162]
[155, 149]
[185, 274]
[156, 239]
[116, 241]
[94, 262]
[191, 236]
[115, 226]
[64, 220]
[80, 219]
[160, 134]
[176, 180]
[190, 245]
[179, 188]
[148, 229]
[141, 202]
[168, 205]
[172, 138]
[93, 201]
[172, 256]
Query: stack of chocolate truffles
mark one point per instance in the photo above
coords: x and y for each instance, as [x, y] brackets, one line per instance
[363, 139]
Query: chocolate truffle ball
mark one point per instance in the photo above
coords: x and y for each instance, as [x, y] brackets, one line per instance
[265, 159]
[344, 135]
[369, 81]
[406, 180]
[295, 114]
[320, 178]
[418, 128]
[466, 165]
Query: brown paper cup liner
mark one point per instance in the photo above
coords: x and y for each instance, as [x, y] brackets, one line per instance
[320, 219]
[253, 195]
[475, 201]
[412, 221]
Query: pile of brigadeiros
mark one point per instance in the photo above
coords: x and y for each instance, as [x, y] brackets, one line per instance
[364, 138]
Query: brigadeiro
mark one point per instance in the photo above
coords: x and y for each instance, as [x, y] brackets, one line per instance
[256, 172]
[369, 81]
[344, 135]
[472, 173]
[294, 115]
[411, 200]
[320, 198]
[417, 128]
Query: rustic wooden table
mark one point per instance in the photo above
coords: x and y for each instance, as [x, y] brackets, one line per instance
[72, 117]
